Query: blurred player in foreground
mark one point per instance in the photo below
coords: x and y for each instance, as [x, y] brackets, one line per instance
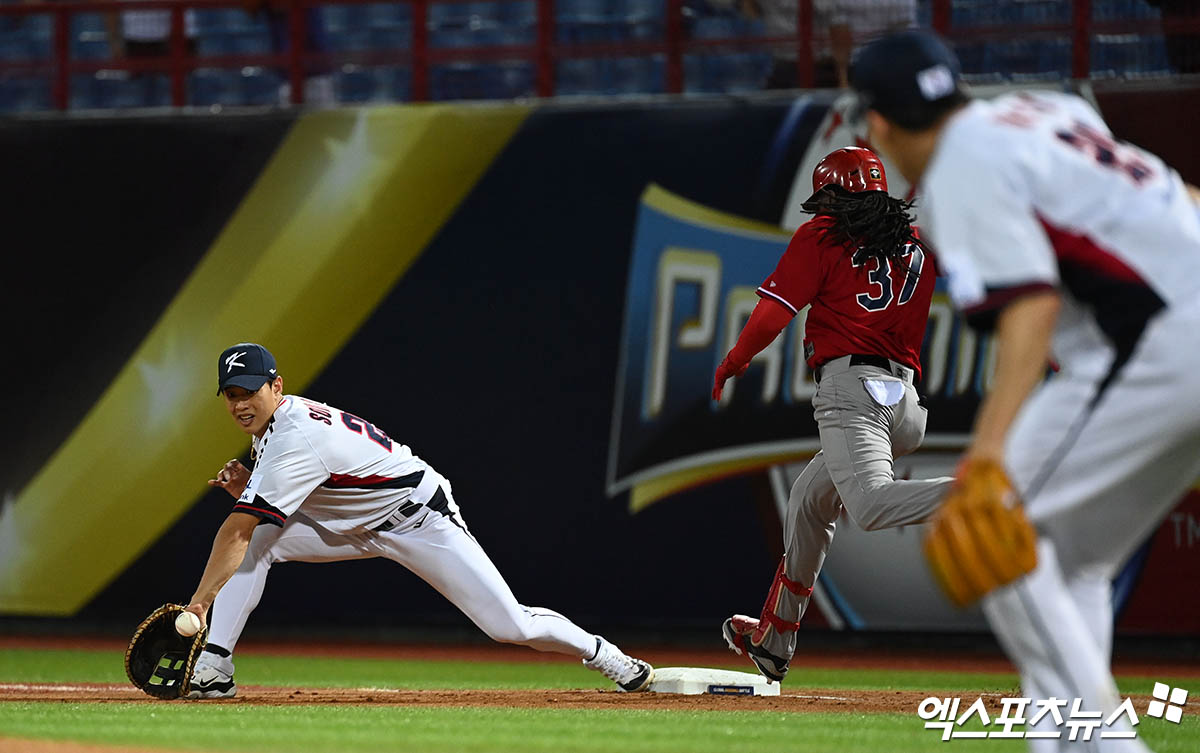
[1061, 238]
[862, 267]
[331, 486]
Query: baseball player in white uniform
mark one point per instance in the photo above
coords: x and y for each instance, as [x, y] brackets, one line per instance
[1086, 250]
[329, 486]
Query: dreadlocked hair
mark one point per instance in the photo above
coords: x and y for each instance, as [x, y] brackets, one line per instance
[867, 224]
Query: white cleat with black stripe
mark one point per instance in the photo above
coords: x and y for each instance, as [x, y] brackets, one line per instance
[630, 675]
[210, 682]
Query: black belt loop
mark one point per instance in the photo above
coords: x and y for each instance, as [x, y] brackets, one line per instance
[408, 509]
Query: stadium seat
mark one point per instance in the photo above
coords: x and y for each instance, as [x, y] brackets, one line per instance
[214, 86]
[736, 72]
[394, 83]
[355, 84]
[260, 86]
[16, 46]
[638, 75]
[24, 93]
[518, 13]
[582, 76]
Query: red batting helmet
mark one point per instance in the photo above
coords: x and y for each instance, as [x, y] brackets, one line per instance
[854, 168]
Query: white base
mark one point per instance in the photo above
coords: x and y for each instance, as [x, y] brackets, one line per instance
[701, 680]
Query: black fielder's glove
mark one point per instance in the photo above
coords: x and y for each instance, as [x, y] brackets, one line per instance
[159, 660]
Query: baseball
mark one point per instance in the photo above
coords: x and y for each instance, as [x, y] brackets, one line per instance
[187, 624]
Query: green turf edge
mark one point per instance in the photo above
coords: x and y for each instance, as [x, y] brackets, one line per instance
[67, 666]
[364, 729]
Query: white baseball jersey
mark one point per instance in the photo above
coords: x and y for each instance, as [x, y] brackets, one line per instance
[1031, 191]
[343, 472]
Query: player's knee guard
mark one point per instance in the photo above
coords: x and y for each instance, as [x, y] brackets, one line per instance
[780, 588]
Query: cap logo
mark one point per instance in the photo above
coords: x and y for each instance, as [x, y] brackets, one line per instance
[935, 82]
[875, 173]
[232, 361]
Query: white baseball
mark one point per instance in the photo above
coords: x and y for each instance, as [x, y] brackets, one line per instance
[187, 624]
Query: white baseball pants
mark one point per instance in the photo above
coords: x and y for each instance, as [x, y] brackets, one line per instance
[1099, 470]
[434, 546]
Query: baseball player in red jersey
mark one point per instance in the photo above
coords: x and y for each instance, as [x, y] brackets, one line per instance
[862, 268]
[329, 486]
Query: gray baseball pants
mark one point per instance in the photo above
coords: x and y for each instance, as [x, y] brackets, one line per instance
[867, 417]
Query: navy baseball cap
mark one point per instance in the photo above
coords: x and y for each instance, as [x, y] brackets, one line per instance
[911, 78]
[245, 365]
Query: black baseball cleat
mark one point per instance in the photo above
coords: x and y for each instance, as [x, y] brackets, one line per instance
[737, 631]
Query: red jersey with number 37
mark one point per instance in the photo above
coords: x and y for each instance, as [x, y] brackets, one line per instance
[872, 308]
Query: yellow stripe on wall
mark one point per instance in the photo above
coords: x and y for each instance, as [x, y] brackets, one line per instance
[344, 207]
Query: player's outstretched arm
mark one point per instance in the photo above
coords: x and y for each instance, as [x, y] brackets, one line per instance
[229, 547]
[232, 477]
[766, 322]
[1023, 332]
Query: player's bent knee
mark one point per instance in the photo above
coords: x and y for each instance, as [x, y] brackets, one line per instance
[867, 515]
[509, 631]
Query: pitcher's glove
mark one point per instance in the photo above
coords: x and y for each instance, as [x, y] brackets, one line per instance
[159, 660]
[980, 538]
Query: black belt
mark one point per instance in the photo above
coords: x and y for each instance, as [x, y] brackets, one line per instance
[859, 360]
[437, 503]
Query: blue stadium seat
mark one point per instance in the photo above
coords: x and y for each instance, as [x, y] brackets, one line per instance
[119, 90]
[459, 80]
[640, 11]
[586, 11]
[639, 75]
[90, 46]
[475, 15]
[158, 90]
[16, 46]
[453, 37]
[513, 35]
[971, 13]
[84, 22]
[397, 37]
[251, 42]
[40, 25]
[1129, 55]
[349, 40]
[387, 15]
[714, 27]
[693, 74]
[582, 76]
[260, 86]
[737, 72]
[89, 37]
[584, 32]
[24, 93]
[394, 83]
[1041, 12]
[214, 86]
[1117, 10]
[519, 13]
[220, 20]
[355, 84]
[215, 43]
[338, 18]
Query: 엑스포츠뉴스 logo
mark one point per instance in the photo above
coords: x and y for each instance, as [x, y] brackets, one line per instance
[232, 361]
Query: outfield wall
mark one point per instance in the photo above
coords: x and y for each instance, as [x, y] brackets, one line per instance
[532, 297]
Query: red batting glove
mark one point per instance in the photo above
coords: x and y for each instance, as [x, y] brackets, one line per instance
[726, 370]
